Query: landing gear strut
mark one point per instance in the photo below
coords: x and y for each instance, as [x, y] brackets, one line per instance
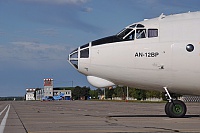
[174, 108]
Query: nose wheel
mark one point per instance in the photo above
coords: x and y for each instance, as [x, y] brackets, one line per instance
[174, 108]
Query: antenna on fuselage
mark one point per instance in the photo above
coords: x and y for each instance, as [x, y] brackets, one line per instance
[161, 16]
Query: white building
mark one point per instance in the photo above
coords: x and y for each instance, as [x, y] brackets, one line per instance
[30, 94]
[56, 91]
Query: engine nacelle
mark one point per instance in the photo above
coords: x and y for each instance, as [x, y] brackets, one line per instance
[99, 82]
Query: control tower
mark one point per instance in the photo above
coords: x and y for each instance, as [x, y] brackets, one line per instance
[48, 87]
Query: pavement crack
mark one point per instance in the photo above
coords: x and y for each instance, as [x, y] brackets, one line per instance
[165, 129]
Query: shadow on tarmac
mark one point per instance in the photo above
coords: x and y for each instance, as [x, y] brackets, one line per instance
[186, 116]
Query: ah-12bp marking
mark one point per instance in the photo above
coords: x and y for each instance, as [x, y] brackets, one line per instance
[146, 54]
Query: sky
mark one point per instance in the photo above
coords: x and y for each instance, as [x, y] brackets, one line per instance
[36, 36]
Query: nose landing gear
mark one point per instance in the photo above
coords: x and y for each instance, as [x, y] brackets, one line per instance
[174, 108]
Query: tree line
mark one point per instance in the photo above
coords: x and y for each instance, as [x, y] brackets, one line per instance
[17, 98]
[121, 92]
[84, 93]
[139, 94]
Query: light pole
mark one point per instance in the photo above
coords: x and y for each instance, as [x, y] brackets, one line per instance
[127, 94]
[72, 83]
[104, 93]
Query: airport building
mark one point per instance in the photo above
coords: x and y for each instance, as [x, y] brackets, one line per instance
[48, 87]
[55, 91]
[30, 94]
[50, 91]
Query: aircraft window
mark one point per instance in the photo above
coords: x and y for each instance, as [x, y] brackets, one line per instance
[140, 26]
[84, 53]
[74, 55]
[75, 63]
[74, 50]
[84, 46]
[109, 39]
[131, 36]
[140, 33]
[133, 26]
[122, 34]
[152, 33]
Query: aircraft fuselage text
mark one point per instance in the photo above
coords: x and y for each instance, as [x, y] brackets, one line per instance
[146, 54]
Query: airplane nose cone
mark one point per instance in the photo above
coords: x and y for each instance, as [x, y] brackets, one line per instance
[73, 58]
[80, 54]
[76, 55]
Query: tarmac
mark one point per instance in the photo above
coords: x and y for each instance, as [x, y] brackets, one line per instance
[93, 117]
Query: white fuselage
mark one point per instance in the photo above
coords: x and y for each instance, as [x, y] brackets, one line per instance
[150, 62]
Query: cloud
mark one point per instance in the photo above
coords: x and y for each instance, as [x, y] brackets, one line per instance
[38, 51]
[2, 33]
[153, 8]
[87, 9]
[48, 32]
[72, 2]
[33, 54]
[59, 13]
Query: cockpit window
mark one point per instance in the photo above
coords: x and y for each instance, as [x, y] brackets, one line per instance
[133, 26]
[84, 46]
[137, 26]
[84, 53]
[123, 33]
[75, 63]
[140, 26]
[74, 55]
[130, 36]
[129, 33]
[135, 31]
[140, 33]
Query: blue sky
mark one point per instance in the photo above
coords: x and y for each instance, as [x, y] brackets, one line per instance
[36, 36]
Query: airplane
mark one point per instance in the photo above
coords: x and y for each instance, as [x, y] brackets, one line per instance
[50, 98]
[59, 97]
[161, 53]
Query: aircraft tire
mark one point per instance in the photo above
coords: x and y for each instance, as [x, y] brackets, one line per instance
[167, 108]
[176, 109]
